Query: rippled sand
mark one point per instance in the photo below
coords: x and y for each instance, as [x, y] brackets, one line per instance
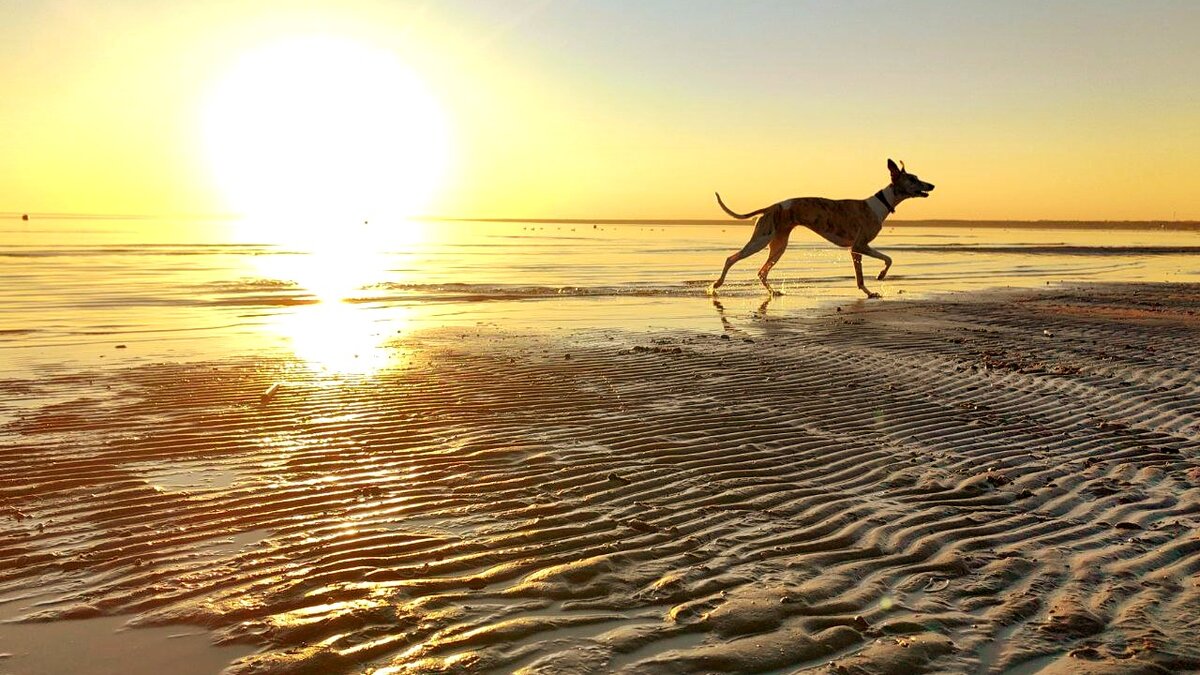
[991, 483]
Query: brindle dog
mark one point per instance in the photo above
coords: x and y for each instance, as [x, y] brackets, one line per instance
[852, 223]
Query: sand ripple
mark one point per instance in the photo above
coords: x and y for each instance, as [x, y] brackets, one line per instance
[975, 486]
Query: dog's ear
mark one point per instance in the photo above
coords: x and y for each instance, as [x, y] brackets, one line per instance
[893, 168]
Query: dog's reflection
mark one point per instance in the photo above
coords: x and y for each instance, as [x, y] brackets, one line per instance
[722, 314]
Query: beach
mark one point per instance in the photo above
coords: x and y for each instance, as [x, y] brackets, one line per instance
[985, 481]
[373, 337]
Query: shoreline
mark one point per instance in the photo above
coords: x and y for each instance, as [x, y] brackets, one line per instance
[976, 481]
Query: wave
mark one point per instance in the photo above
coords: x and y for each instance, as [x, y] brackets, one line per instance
[464, 292]
[268, 293]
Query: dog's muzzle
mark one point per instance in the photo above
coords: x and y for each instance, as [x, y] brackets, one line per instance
[926, 188]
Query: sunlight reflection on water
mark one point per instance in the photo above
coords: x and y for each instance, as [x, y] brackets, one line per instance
[340, 338]
[337, 265]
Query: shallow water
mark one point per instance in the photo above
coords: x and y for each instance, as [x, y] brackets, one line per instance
[99, 291]
[106, 645]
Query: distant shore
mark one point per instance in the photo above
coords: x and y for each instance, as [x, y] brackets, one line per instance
[1172, 225]
[1176, 225]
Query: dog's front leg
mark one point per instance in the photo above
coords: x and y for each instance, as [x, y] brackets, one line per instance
[857, 258]
[887, 260]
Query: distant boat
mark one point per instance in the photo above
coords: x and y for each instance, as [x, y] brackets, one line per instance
[24, 216]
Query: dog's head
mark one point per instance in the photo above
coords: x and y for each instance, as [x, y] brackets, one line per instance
[907, 184]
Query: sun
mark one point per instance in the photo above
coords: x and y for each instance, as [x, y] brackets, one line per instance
[320, 129]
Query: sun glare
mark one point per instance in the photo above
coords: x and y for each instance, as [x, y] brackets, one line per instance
[341, 339]
[316, 131]
[324, 146]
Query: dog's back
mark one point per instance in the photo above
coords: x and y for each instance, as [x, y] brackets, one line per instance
[839, 221]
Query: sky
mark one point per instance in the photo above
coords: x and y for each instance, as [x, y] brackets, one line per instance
[599, 109]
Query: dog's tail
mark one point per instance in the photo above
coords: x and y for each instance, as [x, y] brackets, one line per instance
[739, 216]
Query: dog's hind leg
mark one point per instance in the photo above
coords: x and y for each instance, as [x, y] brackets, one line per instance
[764, 230]
[887, 260]
[857, 258]
[778, 245]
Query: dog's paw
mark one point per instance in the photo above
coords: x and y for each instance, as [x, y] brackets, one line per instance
[882, 275]
[872, 295]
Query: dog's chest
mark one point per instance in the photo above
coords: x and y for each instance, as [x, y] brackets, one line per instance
[871, 230]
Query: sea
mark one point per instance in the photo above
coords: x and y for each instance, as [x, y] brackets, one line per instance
[80, 292]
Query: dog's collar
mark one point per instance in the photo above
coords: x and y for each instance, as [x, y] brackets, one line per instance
[883, 200]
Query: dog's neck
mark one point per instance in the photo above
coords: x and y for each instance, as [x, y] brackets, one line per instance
[881, 209]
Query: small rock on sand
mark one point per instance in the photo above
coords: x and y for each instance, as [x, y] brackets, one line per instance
[935, 584]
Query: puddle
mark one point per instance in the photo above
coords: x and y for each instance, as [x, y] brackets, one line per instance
[183, 475]
[1031, 666]
[14, 607]
[233, 543]
[681, 641]
[992, 650]
[104, 645]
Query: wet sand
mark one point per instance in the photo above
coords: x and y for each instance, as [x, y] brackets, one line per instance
[1004, 482]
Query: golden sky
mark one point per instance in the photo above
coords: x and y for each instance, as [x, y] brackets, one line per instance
[516, 108]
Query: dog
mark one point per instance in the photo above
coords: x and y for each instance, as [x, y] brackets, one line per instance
[852, 223]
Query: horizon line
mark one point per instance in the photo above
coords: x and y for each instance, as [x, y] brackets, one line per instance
[931, 222]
